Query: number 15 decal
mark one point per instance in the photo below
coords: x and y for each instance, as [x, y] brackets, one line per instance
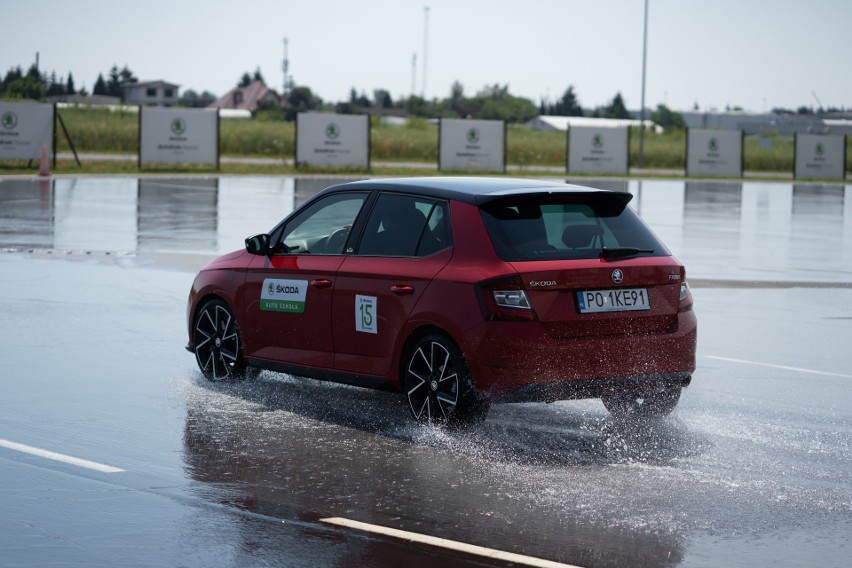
[366, 319]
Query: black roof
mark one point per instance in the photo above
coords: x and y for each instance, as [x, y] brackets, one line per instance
[475, 190]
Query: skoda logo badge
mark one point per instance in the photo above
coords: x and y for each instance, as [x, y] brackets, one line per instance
[617, 276]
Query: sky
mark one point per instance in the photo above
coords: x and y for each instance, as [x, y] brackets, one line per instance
[755, 54]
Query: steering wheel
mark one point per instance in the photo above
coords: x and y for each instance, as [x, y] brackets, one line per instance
[335, 241]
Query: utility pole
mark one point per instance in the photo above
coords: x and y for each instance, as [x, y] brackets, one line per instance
[413, 73]
[425, 45]
[642, 110]
[286, 66]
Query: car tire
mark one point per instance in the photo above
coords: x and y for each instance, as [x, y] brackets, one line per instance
[653, 402]
[438, 386]
[218, 345]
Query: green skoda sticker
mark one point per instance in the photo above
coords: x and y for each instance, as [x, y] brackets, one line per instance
[283, 295]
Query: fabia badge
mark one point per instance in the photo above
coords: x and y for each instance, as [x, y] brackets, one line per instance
[617, 276]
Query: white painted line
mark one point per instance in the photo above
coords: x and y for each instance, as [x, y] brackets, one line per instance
[59, 457]
[784, 367]
[448, 544]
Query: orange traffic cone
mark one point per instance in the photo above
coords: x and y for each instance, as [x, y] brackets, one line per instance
[44, 168]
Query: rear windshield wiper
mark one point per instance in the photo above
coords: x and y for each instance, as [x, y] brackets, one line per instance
[619, 252]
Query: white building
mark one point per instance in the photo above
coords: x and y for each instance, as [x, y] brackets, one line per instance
[150, 93]
[546, 122]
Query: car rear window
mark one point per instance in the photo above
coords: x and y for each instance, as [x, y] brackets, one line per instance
[566, 226]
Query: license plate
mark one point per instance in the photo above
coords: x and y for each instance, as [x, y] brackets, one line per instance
[616, 300]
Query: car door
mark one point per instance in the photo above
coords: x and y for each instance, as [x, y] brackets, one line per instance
[288, 308]
[405, 243]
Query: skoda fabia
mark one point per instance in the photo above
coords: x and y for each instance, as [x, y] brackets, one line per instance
[457, 292]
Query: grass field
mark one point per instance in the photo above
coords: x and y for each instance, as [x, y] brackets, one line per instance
[101, 131]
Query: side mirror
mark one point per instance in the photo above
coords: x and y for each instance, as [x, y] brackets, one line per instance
[258, 244]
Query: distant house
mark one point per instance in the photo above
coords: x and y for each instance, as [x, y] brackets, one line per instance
[251, 98]
[150, 93]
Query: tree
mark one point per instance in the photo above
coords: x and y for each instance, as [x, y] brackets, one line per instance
[55, 87]
[126, 74]
[301, 99]
[667, 118]
[206, 98]
[113, 85]
[69, 85]
[191, 98]
[456, 96]
[100, 86]
[13, 74]
[24, 88]
[617, 109]
[568, 105]
[508, 108]
[356, 100]
[34, 73]
[495, 92]
[382, 98]
[258, 76]
[245, 81]
[417, 106]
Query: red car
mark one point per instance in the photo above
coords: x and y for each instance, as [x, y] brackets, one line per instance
[458, 292]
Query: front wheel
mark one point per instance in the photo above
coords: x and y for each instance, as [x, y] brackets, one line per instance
[438, 385]
[656, 401]
[218, 347]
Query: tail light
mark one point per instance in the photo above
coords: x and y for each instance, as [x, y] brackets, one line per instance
[685, 299]
[684, 291]
[505, 300]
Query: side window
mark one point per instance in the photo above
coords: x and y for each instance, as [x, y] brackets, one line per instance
[437, 234]
[322, 228]
[403, 225]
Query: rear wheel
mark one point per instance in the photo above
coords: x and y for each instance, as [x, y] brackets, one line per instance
[438, 385]
[218, 347]
[655, 401]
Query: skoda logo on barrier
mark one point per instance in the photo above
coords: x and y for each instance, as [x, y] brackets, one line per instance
[713, 145]
[597, 141]
[9, 120]
[819, 149]
[178, 126]
[332, 130]
[473, 136]
[617, 276]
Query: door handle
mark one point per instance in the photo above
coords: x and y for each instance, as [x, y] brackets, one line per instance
[321, 283]
[402, 289]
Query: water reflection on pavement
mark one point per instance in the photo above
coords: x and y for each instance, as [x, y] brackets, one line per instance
[752, 469]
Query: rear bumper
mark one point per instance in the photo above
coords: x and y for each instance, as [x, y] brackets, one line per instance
[589, 388]
[518, 361]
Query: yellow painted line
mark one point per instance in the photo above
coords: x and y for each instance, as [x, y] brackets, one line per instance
[58, 457]
[448, 544]
[782, 367]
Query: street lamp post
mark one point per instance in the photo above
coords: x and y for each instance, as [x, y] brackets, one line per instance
[642, 110]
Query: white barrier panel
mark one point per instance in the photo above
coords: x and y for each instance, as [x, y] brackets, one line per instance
[24, 129]
[598, 150]
[714, 152]
[820, 156]
[178, 136]
[472, 145]
[324, 139]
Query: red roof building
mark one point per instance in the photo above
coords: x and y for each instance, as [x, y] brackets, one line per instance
[252, 97]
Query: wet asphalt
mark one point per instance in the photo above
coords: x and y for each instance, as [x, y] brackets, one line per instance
[753, 469]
